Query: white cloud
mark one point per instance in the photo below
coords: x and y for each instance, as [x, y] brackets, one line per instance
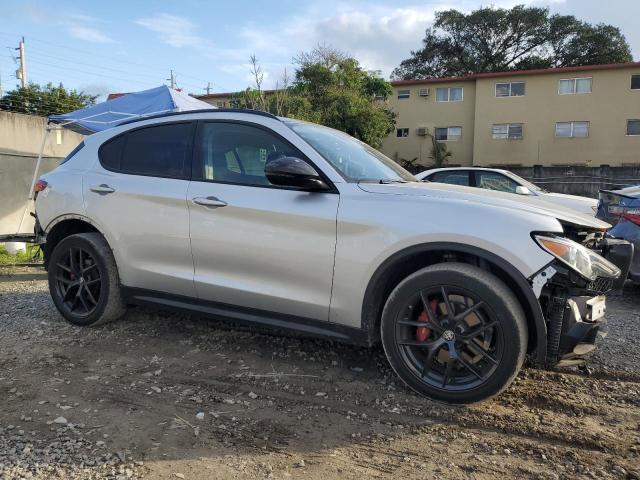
[88, 34]
[174, 30]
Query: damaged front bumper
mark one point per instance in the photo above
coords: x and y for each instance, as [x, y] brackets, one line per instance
[574, 311]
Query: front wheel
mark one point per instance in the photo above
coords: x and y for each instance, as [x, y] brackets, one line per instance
[454, 332]
[83, 280]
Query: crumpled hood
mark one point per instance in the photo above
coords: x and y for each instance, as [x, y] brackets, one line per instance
[486, 197]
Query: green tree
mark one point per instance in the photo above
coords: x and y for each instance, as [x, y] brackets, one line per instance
[332, 89]
[43, 101]
[497, 39]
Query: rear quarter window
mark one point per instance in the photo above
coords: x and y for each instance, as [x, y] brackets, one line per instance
[111, 153]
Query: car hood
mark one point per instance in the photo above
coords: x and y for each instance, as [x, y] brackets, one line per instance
[487, 197]
[570, 200]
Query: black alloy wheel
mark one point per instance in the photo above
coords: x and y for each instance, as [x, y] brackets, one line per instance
[78, 281]
[84, 281]
[454, 332]
[449, 338]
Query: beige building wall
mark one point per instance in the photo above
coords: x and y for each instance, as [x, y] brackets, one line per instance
[425, 112]
[607, 109]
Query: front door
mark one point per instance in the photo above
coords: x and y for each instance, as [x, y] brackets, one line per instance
[138, 194]
[256, 245]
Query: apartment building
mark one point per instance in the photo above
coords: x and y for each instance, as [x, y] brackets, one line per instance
[553, 117]
[564, 116]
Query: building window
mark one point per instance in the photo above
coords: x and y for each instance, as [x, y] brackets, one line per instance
[448, 134]
[633, 127]
[572, 129]
[512, 131]
[404, 93]
[635, 82]
[453, 94]
[571, 86]
[511, 89]
[402, 132]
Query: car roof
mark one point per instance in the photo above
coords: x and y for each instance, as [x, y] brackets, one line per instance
[200, 111]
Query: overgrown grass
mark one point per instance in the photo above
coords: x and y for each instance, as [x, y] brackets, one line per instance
[32, 255]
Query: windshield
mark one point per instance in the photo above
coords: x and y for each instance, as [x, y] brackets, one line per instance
[355, 160]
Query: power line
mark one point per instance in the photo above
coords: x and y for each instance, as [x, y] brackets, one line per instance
[48, 43]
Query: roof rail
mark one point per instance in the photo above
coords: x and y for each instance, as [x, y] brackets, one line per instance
[204, 110]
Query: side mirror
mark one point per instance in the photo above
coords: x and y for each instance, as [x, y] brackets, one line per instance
[294, 172]
[520, 190]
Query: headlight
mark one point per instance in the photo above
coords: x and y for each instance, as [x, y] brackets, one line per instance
[584, 261]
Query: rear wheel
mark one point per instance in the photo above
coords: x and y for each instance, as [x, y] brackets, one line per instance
[454, 332]
[83, 280]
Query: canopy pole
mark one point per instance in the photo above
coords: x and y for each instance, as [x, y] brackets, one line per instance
[35, 172]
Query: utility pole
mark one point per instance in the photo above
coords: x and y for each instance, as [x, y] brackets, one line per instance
[172, 79]
[208, 89]
[22, 71]
[1, 92]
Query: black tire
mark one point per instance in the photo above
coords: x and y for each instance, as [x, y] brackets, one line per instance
[83, 273]
[495, 314]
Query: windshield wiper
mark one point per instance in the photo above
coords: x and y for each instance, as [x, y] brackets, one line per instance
[388, 180]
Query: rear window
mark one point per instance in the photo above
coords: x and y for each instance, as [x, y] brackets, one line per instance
[158, 151]
[72, 153]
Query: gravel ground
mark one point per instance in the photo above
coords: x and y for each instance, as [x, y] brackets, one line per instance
[159, 395]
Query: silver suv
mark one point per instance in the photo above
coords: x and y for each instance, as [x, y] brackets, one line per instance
[245, 216]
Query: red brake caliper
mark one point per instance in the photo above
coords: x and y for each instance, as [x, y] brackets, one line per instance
[422, 333]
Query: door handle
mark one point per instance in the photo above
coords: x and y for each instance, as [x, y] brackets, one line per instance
[102, 189]
[213, 202]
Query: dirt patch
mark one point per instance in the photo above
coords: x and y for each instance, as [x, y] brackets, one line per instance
[159, 395]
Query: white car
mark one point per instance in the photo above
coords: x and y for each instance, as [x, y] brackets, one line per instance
[505, 181]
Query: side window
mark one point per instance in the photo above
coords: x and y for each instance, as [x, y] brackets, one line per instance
[157, 151]
[495, 181]
[454, 177]
[111, 153]
[237, 153]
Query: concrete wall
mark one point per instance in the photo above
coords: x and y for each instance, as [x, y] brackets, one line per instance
[20, 141]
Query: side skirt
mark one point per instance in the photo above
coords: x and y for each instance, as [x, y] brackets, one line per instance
[276, 322]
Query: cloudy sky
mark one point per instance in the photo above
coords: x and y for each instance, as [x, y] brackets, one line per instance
[127, 46]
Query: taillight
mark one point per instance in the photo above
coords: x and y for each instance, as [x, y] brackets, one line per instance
[633, 215]
[38, 187]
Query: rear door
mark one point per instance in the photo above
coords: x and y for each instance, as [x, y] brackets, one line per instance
[137, 194]
[256, 245]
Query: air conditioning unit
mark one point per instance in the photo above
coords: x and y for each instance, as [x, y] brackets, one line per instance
[422, 132]
[424, 92]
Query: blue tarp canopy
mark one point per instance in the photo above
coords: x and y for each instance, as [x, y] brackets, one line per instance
[127, 107]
